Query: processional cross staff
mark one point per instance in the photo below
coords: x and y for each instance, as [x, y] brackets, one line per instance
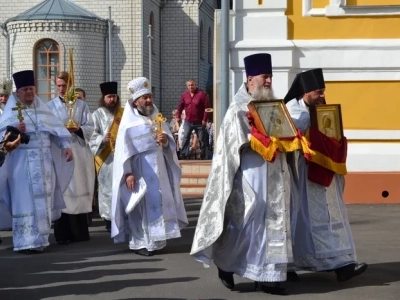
[158, 120]
[19, 107]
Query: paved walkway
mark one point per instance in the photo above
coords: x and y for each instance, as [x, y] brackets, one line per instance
[101, 270]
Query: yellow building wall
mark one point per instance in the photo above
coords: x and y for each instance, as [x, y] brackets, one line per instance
[308, 28]
[318, 3]
[366, 104]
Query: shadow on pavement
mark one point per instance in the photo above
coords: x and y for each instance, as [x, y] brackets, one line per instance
[76, 269]
[37, 293]
[380, 274]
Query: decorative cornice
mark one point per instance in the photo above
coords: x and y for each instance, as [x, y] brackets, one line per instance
[57, 26]
[338, 8]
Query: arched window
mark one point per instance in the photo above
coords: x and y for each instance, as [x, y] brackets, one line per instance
[210, 46]
[202, 42]
[47, 65]
[153, 44]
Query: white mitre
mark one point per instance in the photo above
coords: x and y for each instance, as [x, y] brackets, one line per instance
[138, 87]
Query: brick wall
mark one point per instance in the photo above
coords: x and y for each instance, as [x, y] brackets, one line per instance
[176, 28]
[126, 42]
[152, 7]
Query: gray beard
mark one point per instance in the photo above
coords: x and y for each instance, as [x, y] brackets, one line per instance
[261, 93]
[2, 105]
[146, 110]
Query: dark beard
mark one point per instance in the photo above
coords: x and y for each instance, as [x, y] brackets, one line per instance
[112, 109]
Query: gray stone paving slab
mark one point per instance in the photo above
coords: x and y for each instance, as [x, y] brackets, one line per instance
[99, 269]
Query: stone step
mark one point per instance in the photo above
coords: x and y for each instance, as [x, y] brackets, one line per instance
[188, 195]
[195, 175]
[193, 185]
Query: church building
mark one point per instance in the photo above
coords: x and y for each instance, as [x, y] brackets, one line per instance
[112, 40]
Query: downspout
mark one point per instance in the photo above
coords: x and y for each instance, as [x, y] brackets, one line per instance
[199, 40]
[7, 36]
[160, 55]
[224, 58]
[110, 26]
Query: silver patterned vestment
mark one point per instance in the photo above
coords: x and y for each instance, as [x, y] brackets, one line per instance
[36, 174]
[322, 235]
[79, 194]
[103, 119]
[244, 222]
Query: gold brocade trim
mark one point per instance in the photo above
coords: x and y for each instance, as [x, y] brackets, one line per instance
[101, 158]
[268, 153]
[327, 163]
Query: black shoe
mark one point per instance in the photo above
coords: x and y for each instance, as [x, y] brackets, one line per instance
[63, 242]
[272, 288]
[226, 279]
[143, 252]
[108, 225]
[347, 272]
[293, 277]
[1, 240]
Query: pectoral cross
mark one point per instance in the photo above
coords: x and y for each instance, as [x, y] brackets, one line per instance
[159, 121]
[19, 107]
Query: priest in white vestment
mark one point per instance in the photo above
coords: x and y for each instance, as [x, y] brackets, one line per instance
[37, 172]
[73, 224]
[106, 123]
[8, 145]
[147, 204]
[244, 222]
[5, 91]
[322, 237]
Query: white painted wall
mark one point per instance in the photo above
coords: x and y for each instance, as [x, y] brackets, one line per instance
[263, 28]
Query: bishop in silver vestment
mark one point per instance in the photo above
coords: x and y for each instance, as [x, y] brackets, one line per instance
[322, 237]
[73, 225]
[37, 173]
[106, 122]
[244, 222]
[147, 203]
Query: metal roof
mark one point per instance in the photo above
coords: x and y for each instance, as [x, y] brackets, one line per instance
[55, 10]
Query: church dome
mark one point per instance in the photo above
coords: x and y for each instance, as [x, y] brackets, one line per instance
[55, 10]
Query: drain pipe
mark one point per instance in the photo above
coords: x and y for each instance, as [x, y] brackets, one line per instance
[160, 23]
[7, 36]
[110, 26]
[224, 58]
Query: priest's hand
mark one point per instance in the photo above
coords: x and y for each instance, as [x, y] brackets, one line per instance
[68, 154]
[21, 127]
[130, 181]
[107, 138]
[9, 146]
[162, 138]
[250, 119]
